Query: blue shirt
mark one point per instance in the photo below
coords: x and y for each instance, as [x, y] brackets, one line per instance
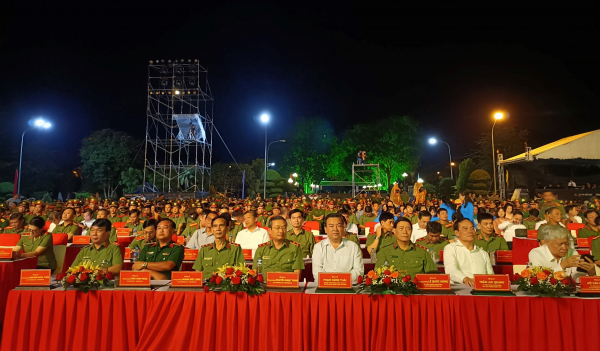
[467, 212]
[449, 209]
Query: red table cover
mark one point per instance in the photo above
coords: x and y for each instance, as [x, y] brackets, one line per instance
[10, 273]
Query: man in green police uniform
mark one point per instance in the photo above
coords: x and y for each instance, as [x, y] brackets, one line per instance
[279, 254]
[148, 236]
[434, 239]
[113, 215]
[409, 213]
[17, 224]
[303, 237]
[219, 253]
[368, 216]
[238, 225]
[447, 230]
[405, 255]
[38, 210]
[133, 222]
[318, 213]
[38, 244]
[68, 226]
[383, 236]
[591, 228]
[101, 252]
[549, 200]
[162, 257]
[486, 238]
[533, 218]
[346, 234]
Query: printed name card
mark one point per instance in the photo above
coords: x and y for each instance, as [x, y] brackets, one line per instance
[127, 253]
[6, 253]
[532, 234]
[35, 277]
[504, 256]
[190, 254]
[590, 284]
[492, 282]
[81, 240]
[583, 242]
[247, 254]
[334, 280]
[180, 239]
[433, 281]
[186, 279]
[134, 278]
[282, 280]
[123, 232]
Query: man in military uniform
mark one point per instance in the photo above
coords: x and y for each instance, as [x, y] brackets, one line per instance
[68, 226]
[23, 208]
[148, 236]
[383, 235]
[409, 213]
[38, 210]
[549, 201]
[78, 217]
[162, 257]
[219, 253]
[17, 224]
[434, 240]
[486, 238]
[591, 227]
[101, 252]
[447, 230]
[113, 215]
[403, 254]
[279, 254]
[133, 222]
[305, 238]
[276, 212]
[318, 213]
[351, 236]
[525, 209]
[238, 225]
[533, 218]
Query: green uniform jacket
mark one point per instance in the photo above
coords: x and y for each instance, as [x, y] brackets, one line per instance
[210, 259]
[114, 219]
[317, 213]
[447, 229]
[306, 240]
[68, 229]
[11, 230]
[4, 223]
[586, 232]
[232, 234]
[190, 229]
[353, 219]
[366, 219]
[139, 242]
[354, 238]
[437, 247]
[287, 259]
[530, 222]
[496, 242]
[414, 260]
[383, 241]
[30, 244]
[170, 252]
[107, 252]
[596, 248]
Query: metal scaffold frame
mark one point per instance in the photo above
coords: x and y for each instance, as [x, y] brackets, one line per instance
[179, 127]
[362, 173]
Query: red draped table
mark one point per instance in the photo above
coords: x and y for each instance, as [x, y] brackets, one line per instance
[10, 272]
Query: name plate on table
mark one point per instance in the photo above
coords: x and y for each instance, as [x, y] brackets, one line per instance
[190, 254]
[6, 253]
[504, 256]
[590, 285]
[334, 280]
[81, 240]
[134, 279]
[180, 239]
[123, 232]
[433, 281]
[127, 253]
[285, 280]
[35, 277]
[492, 282]
[532, 234]
[247, 254]
[186, 279]
[583, 242]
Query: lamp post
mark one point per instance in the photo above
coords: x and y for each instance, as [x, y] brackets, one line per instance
[38, 123]
[404, 175]
[497, 116]
[434, 141]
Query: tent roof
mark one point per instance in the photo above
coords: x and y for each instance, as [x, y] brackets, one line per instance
[584, 146]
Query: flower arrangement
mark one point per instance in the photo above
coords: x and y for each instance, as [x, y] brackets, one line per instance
[86, 277]
[387, 280]
[236, 278]
[543, 281]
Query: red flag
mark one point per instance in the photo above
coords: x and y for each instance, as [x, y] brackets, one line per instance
[16, 182]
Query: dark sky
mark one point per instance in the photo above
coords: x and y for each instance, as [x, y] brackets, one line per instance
[84, 67]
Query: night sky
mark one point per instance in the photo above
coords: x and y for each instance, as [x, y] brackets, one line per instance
[85, 68]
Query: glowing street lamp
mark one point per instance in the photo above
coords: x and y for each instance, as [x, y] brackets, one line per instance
[497, 116]
[420, 180]
[39, 123]
[434, 141]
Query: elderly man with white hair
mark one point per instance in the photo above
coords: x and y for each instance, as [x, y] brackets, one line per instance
[556, 253]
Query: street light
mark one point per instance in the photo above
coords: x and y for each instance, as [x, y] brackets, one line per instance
[290, 180]
[434, 141]
[264, 118]
[38, 123]
[420, 180]
[497, 116]
[404, 175]
[295, 175]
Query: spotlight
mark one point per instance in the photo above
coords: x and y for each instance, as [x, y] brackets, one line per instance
[164, 82]
[191, 82]
[164, 69]
[178, 69]
[177, 92]
[193, 69]
[178, 82]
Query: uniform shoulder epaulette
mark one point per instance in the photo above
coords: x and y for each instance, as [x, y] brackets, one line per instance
[237, 223]
[205, 245]
[449, 225]
[140, 237]
[115, 243]
[263, 244]
[176, 244]
[295, 243]
[193, 224]
[238, 245]
[499, 235]
[373, 232]
[421, 239]
[8, 228]
[152, 245]
[421, 247]
[595, 237]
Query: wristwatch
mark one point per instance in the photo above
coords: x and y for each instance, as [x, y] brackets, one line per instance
[145, 265]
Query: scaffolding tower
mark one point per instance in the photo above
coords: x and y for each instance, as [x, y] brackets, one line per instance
[179, 126]
[369, 175]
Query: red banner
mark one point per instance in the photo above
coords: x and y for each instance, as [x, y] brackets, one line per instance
[590, 284]
[504, 256]
[81, 240]
[35, 277]
[492, 282]
[433, 281]
[282, 279]
[335, 280]
[190, 254]
[186, 279]
[134, 278]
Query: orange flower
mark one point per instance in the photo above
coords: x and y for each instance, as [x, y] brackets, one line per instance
[542, 276]
[560, 275]
[251, 272]
[375, 277]
[525, 273]
[229, 275]
[394, 275]
[371, 274]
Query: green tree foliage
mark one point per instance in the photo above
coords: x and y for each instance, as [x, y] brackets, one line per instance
[465, 169]
[430, 188]
[104, 156]
[507, 139]
[131, 179]
[227, 178]
[479, 182]
[446, 187]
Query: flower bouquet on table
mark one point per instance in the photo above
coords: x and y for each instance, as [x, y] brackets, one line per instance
[543, 281]
[236, 278]
[387, 280]
[86, 277]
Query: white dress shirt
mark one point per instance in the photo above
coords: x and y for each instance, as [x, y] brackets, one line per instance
[459, 262]
[347, 258]
[541, 256]
[250, 240]
[509, 229]
[352, 228]
[417, 233]
[199, 238]
[87, 224]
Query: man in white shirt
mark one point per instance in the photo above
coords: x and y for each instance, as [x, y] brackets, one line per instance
[557, 254]
[420, 228]
[462, 258]
[509, 227]
[204, 235]
[572, 184]
[336, 253]
[252, 235]
[88, 220]
[572, 214]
